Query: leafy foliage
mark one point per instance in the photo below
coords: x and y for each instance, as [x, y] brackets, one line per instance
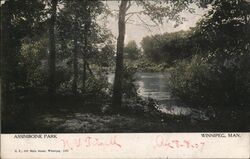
[219, 76]
[131, 51]
[168, 47]
[211, 60]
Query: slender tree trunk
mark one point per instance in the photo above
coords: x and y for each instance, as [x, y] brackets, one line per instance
[117, 88]
[86, 43]
[84, 76]
[75, 59]
[52, 50]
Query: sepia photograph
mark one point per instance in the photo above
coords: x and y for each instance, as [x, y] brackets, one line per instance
[125, 66]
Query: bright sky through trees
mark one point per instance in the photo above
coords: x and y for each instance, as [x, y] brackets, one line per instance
[136, 30]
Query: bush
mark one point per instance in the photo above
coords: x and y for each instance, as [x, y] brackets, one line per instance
[96, 86]
[201, 83]
[146, 65]
[189, 81]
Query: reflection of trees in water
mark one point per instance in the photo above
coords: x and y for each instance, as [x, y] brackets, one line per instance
[153, 85]
[150, 84]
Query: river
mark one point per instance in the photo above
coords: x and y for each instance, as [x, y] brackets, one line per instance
[156, 86]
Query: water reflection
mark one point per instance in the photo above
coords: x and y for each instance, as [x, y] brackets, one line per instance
[153, 85]
[156, 86]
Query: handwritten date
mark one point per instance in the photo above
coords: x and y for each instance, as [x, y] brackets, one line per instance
[162, 142]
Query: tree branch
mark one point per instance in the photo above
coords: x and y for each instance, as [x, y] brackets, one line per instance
[128, 17]
[130, 14]
[88, 67]
[129, 5]
[145, 23]
[140, 12]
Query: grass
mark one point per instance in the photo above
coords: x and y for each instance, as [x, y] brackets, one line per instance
[65, 121]
[101, 123]
[78, 117]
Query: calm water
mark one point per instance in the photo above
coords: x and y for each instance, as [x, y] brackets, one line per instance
[156, 86]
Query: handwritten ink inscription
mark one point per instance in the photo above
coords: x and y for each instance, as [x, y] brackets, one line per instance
[90, 142]
[115, 142]
[171, 144]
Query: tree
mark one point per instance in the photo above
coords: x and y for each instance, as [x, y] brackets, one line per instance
[224, 25]
[157, 10]
[219, 75]
[117, 90]
[80, 18]
[225, 36]
[86, 49]
[131, 51]
[52, 49]
[75, 56]
[168, 47]
[19, 19]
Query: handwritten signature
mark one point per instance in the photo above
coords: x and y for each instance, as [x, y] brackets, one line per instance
[89, 142]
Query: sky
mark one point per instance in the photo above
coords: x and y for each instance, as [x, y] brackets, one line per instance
[135, 30]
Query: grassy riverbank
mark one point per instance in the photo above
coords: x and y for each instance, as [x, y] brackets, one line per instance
[66, 120]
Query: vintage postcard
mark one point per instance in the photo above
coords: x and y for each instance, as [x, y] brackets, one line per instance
[125, 79]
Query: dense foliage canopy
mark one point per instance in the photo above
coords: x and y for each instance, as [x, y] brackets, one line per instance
[218, 75]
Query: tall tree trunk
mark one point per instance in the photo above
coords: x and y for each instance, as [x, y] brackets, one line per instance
[87, 24]
[84, 75]
[75, 59]
[117, 88]
[52, 50]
